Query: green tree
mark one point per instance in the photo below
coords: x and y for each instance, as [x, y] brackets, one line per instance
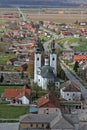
[2, 78]
[76, 66]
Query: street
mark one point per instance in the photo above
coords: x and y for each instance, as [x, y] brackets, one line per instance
[9, 126]
[73, 78]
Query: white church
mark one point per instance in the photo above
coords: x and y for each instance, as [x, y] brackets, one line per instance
[48, 72]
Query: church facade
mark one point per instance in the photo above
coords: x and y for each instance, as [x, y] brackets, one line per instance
[48, 72]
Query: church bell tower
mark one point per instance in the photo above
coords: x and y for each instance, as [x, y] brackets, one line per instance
[53, 58]
[37, 62]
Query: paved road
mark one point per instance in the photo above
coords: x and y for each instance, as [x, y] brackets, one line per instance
[55, 36]
[9, 126]
[73, 78]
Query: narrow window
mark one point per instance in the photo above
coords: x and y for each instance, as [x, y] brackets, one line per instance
[67, 94]
[53, 58]
[31, 125]
[38, 58]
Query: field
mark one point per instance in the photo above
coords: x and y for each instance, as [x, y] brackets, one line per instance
[53, 14]
[10, 112]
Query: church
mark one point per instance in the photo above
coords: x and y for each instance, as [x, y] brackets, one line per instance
[43, 74]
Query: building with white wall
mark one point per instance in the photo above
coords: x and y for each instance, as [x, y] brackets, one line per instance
[46, 73]
[70, 91]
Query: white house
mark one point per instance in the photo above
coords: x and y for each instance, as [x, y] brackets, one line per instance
[20, 96]
[70, 91]
[46, 73]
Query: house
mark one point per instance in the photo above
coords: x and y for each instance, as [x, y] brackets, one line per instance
[51, 121]
[17, 95]
[70, 91]
[68, 54]
[48, 104]
[80, 57]
[46, 73]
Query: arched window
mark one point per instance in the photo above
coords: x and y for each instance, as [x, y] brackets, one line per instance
[37, 58]
[53, 59]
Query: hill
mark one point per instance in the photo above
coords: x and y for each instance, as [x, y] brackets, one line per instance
[42, 3]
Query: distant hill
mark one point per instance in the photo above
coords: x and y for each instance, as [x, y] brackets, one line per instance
[42, 3]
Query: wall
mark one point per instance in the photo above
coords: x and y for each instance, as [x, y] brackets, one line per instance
[70, 95]
[24, 100]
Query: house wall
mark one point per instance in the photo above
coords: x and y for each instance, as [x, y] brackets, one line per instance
[71, 95]
[39, 80]
[62, 129]
[47, 110]
[34, 125]
[24, 100]
[57, 85]
[45, 82]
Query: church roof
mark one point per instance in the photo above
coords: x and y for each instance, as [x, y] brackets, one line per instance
[47, 72]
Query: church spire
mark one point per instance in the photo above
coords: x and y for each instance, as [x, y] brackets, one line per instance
[53, 46]
[37, 48]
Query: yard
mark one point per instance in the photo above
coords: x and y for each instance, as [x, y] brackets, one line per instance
[78, 44]
[4, 58]
[7, 111]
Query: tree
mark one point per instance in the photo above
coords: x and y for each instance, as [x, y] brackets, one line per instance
[41, 23]
[30, 69]
[76, 66]
[58, 68]
[22, 74]
[52, 89]
[62, 75]
[2, 78]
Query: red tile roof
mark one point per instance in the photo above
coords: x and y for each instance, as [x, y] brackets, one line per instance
[70, 86]
[17, 93]
[48, 100]
[77, 57]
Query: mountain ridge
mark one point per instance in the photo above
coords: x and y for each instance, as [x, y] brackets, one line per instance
[42, 3]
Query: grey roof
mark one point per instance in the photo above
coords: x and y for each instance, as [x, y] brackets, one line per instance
[32, 129]
[73, 118]
[63, 124]
[47, 71]
[38, 118]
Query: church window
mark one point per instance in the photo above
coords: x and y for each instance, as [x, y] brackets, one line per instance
[38, 58]
[67, 94]
[39, 80]
[53, 58]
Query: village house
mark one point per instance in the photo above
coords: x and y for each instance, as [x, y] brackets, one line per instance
[70, 91]
[48, 104]
[17, 96]
[68, 54]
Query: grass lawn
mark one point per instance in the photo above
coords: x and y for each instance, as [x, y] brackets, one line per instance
[4, 58]
[82, 46]
[7, 111]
